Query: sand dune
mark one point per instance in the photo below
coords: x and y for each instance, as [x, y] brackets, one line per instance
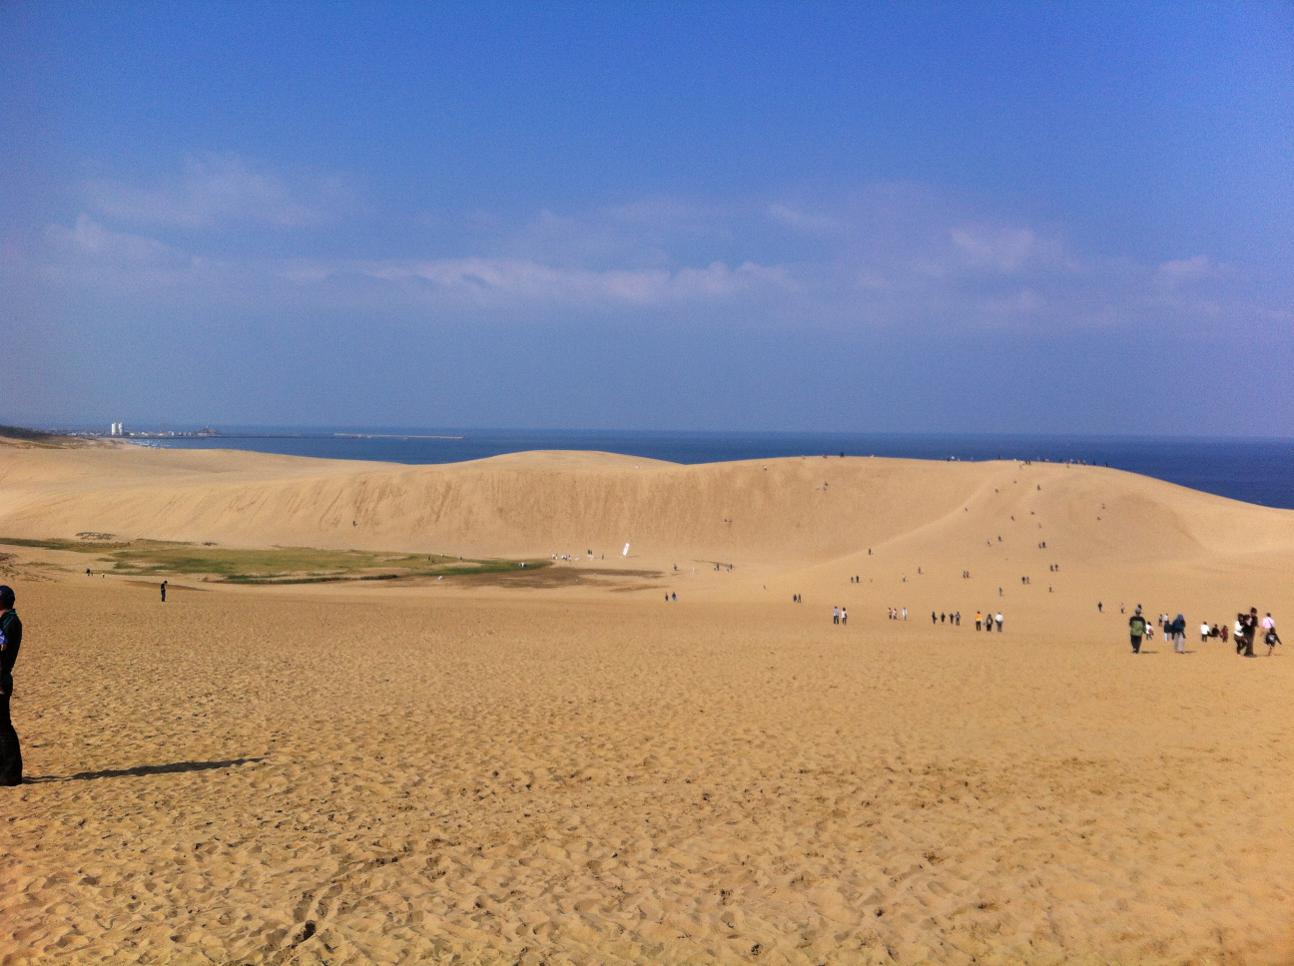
[776, 511]
[466, 772]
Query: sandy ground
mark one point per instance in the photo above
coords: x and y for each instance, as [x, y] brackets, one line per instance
[475, 772]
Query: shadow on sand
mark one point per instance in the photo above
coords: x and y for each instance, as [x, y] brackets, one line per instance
[140, 770]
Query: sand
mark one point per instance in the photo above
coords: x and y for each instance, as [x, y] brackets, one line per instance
[573, 770]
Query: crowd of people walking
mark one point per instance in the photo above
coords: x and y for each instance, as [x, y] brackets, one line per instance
[1248, 628]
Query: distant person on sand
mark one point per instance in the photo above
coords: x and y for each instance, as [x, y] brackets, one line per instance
[1177, 631]
[979, 621]
[1205, 631]
[835, 614]
[999, 622]
[163, 591]
[1136, 630]
[10, 642]
[1100, 609]
[844, 615]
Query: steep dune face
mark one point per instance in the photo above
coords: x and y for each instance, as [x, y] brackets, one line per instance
[792, 512]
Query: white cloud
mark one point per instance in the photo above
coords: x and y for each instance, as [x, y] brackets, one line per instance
[217, 190]
[810, 223]
[1177, 272]
[90, 255]
[88, 238]
[887, 258]
[1000, 249]
[509, 281]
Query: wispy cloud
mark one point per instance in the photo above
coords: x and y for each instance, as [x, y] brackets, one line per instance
[494, 282]
[1175, 273]
[215, 190]
[87, 237]
[886, 256]
[808, 222]
[1004, 249]
[89, 255]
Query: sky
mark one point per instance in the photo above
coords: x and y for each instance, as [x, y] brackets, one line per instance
[1051, 218]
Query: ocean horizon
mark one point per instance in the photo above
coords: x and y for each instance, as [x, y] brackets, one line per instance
[1252, 470]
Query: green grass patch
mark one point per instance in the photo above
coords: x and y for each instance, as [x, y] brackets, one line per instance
[277, 565]
[78, 546]
[296, 565]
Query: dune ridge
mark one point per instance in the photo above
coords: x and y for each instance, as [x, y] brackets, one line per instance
[787, 511]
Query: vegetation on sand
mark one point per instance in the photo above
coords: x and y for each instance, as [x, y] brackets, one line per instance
[276, 565]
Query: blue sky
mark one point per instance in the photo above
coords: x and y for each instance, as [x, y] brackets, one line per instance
[943, 217]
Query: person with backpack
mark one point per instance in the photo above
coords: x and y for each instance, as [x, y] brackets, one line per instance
[1177, 631]
[10, 641]
[1137, 630]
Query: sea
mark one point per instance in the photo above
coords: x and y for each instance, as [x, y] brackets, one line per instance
[1253, 470]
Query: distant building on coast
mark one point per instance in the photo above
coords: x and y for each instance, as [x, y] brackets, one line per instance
[117, 429]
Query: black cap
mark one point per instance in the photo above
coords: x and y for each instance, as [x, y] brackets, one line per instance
[6, 595]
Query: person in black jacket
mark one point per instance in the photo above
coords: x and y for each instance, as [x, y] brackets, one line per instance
[10, 641]
[1246, 629]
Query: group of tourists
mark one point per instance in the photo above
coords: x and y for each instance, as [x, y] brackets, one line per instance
[954, 617]
[986, 621]
[1248, 627]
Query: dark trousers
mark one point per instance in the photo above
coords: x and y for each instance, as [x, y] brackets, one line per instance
[10, 751]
